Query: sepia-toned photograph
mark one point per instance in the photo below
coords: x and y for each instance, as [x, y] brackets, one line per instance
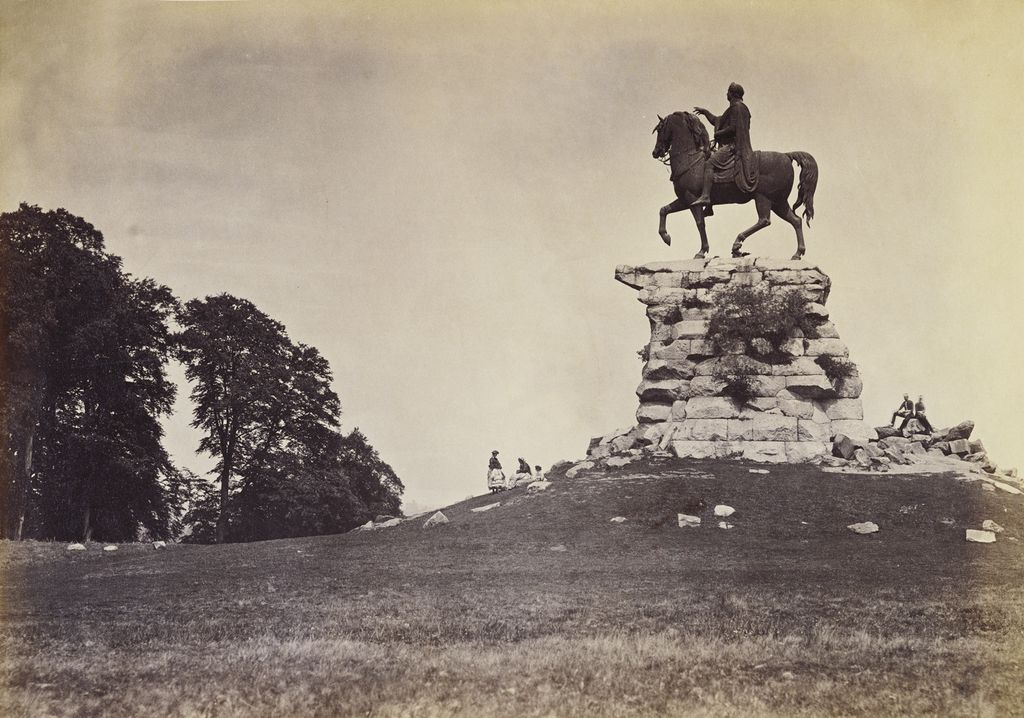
[511, 359]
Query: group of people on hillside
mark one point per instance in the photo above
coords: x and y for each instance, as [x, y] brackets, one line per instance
[911, 410]
[497, 481]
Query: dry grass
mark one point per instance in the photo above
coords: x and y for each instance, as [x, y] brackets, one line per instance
[480, 618]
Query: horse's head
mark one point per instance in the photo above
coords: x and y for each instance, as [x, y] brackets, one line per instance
[663, 140]
[681, 132]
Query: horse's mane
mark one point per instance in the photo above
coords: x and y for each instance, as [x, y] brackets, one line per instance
[701, 140]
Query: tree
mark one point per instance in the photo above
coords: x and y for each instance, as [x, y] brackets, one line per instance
[271, 420]
[235, 355]
[373, 479]
[83, 353]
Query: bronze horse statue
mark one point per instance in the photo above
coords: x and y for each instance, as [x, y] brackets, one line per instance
[683, 138]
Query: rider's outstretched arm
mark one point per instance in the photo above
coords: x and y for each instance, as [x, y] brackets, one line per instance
[713, 119]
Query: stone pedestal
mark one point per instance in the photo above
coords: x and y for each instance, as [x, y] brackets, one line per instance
[789, 407]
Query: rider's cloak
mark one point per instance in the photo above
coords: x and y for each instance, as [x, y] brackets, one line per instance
[734, 128]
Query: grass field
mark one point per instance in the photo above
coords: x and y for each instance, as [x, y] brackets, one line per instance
[787, 614]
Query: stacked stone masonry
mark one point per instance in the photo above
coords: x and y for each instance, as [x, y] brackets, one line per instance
[796, 409]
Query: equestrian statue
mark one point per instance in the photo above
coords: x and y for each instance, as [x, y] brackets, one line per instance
[732, 173]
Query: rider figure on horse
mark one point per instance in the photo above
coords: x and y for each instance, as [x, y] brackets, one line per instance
[732, 134]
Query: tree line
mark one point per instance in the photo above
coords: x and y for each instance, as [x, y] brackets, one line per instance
[84, 353]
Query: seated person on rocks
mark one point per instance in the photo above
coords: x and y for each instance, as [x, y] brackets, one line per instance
[538, 474]
[524, 474]
[919, 416]
[906, 410]
[495, 476]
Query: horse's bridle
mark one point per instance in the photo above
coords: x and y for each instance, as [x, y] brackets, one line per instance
[666, 158]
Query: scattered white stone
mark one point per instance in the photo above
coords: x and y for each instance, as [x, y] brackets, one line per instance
[436, 520]
[368, 526]
[582, 466]
[864, 527]
[1005, 487]
[620, 460]
[488, 507]
[724, 510]
[788, 675]
[947, 522]
[618, 519]
[758, 471]
[158, 545]
[988, 487]
[110, 547]
[724, 525]
[76, 547]
[559, 547]
[990, 525]
[389, 523]
[975, 536]
[688, 520]
[538, 486]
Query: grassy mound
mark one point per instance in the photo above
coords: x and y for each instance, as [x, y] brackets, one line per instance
[786, 614]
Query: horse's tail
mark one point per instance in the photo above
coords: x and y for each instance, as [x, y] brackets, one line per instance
[808, 183]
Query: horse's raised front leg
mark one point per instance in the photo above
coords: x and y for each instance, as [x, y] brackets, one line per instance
[786, 212]
[664, 212]
[764, 207]
[698, 217]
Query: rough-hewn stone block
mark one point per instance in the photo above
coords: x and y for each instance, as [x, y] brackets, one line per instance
[686, 449]
[739, 429]
[773, 427]
[652, 413]
[797, 408]
[810, 430]
[801, 366]
[800, 451]
[764, 451]
[792, 347]
[706, 279]
[759, 404]
[844, 409]
[659, 370]
[718, 366]
[706, 386]
[678, 410]
[689, 329]
[766, 386]
[817, 386]
[746, 278]
[712, 407]
[826, 330]
[816, 311]
[854, 429]
[674, 351]
[664, 391]
[664, 313]
[849, 387]
[825, 347]
[778, 263]
[701, 348]
[959, 446]
[703, 430]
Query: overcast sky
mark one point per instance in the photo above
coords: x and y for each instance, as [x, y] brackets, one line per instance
[436, 198]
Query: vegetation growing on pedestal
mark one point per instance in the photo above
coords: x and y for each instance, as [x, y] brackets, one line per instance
[836, 368]
[748, 316]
